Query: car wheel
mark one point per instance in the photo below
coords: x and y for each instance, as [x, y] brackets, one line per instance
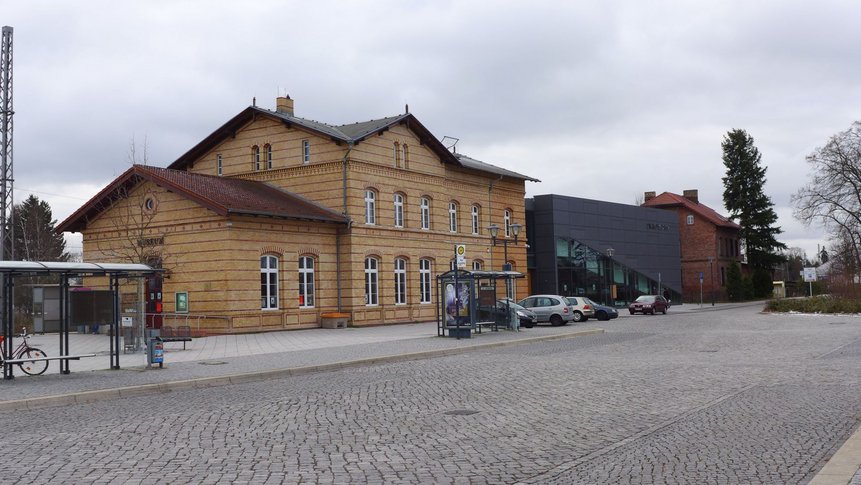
[664, 311]
[556, 321]
[526, 324]
[602, 316]
[631, 312]
[578, 317]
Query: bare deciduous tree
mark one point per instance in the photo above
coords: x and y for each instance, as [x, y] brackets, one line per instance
[832, 197]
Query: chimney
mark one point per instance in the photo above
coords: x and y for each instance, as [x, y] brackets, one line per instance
[283, 104]
[649, 196]
[692, 195]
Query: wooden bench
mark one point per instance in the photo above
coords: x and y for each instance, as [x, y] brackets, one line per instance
[182, 334]
[334, 320]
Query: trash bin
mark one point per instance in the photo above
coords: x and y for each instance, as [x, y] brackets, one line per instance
[154, 348]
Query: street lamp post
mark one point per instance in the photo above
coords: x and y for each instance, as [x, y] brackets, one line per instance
[506, 266]
[610, 252]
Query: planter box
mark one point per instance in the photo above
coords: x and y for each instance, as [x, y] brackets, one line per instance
[335, 320]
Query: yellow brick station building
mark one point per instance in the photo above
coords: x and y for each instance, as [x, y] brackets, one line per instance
[274, 220]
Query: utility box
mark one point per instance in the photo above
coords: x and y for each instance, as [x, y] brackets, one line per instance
[154, 348]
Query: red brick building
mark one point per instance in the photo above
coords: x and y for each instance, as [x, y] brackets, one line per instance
[709, 243]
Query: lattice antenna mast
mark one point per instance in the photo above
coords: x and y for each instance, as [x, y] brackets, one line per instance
[7, 231]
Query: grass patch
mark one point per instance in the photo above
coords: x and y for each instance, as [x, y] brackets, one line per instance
[816, 304]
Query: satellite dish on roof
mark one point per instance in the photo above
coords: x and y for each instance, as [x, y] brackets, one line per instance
[450, 143]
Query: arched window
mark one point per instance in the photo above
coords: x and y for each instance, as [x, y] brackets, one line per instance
[424, 280]
[400, 281]
[425, 209]
[506, 217]
[268, 283]
[370, 207]
[406, 156]
[399, 210]
[306, 151]
[396, 152]
[372, 295]
[268, 149]
[452, 216]
[306, 282]
[510, 288]
[476, 265]
[475, 220]
[255, 157]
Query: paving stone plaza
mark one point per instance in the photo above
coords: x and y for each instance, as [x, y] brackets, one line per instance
[725, 396]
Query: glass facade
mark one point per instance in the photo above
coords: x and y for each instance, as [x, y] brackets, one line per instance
[583, 271]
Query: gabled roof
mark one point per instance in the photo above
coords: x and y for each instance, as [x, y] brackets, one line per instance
[222, 195]
[669, 199]
[352, 133]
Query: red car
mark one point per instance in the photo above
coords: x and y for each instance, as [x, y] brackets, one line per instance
[649, 304]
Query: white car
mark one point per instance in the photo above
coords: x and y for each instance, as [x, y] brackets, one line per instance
[581, 308]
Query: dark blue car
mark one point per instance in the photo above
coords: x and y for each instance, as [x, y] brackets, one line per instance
[603, 312]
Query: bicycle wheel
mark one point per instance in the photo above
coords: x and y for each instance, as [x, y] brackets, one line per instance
[35, 367]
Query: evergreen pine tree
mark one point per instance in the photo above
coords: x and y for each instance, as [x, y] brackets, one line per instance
[747, 203]
[734, 287]
[35, 238]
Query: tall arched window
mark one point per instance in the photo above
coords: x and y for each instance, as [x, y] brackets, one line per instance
[452, 216]
[406, 156]
[506, 217]
[372, 295]
[268, 283]
[268, 149]
[475, 220]
[400, 281]
[306, 282]
[370, 207]
[255, 157]
[425, 209]
[476, 265]
[399, 210]
[424, 280]
[396, 152]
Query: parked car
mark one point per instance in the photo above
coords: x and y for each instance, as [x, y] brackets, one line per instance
[527, 317]
[581, 308]
[603, 312]
[548, 308]
[649, 304]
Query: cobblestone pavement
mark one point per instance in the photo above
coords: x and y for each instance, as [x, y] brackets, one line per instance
[719, 397]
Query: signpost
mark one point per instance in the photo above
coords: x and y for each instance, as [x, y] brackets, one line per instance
[701, 288]
[460, 255]
[809, 277]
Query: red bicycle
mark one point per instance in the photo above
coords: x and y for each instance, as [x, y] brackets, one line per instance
[24, 351]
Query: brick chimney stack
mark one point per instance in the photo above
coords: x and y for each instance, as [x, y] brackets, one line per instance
[692, 195]
[649, 196]
[283, 104]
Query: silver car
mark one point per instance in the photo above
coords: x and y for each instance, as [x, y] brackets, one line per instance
[549, 308]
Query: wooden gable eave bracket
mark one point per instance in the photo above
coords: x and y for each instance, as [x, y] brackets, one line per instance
[288, 124]
[382, 130]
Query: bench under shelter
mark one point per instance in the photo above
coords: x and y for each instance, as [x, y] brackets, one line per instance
[468, 301]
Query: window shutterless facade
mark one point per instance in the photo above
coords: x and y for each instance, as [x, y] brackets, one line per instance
[406, 156]
[372, 296]
[475, 220]
[268, 156]
[306, 282]
[370, 207]
[400, 281]
[269, 283]
[306, 151]
[399, 210]
[452, 216]
[255, 157]
[396, 153]
[476, 265]
[424, 281]
[218, 165]
[506, 216]
[425, 210]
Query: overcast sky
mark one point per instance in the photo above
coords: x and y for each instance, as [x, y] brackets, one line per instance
[601, 99]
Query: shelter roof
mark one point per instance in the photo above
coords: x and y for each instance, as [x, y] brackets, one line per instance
[222, 195]
[669, 199]
[41, 267]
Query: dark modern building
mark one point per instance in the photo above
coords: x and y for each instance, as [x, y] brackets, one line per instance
[606, 251]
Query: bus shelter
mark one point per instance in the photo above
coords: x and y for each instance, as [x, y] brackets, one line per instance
[10, 270]
[470, 300]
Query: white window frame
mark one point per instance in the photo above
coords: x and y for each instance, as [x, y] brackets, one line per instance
[476, 265]
[255, 154]
[506, 217]
[400, 281]
[475, 219]
[424, 281]
[398, 201]
[306, 151]
[219, 165]
[370, 207]
[396, 152]
[268, 156]
[306, 282]
[510, 286]
[452, 216]
[268, 282]
[690, 219]
[372, 281]
[425, 213]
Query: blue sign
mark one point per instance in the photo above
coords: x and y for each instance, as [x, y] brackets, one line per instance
[701, 276]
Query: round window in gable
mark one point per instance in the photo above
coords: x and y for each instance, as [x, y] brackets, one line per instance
[150, 204]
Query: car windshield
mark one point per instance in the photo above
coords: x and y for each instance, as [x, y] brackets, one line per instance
[590, 302]
[501, 304]
[571, 301]
[645, 299]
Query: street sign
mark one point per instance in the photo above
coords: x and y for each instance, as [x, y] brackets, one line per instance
[460, 255]
[701, 276]
[809, 274]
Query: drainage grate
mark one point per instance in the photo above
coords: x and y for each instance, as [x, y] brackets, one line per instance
[213, 362]
[461, 412]
[709, 350]
[836, 323]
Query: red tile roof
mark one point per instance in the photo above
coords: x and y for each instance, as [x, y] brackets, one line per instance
[222, 195]
[669, 199]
